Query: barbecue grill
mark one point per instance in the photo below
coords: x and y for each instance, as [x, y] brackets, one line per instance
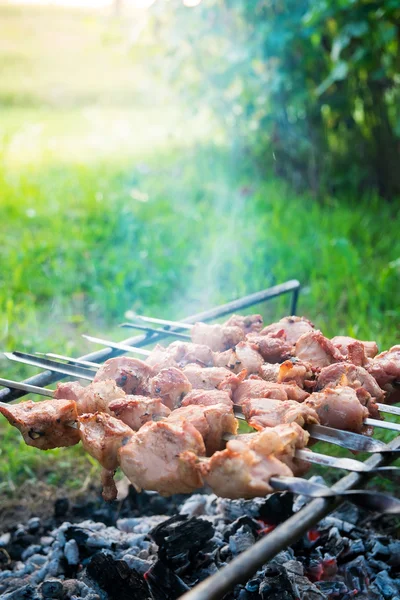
[242, 567]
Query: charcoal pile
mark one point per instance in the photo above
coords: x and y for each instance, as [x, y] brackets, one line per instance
[153, 548]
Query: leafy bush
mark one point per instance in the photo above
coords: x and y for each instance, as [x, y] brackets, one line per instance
[311, 87]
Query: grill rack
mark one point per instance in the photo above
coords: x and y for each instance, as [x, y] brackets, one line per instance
[243, 566]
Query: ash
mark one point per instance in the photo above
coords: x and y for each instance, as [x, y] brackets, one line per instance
[155, 548]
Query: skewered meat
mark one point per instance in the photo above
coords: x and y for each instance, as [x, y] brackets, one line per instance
[217, 337]
[239, 472]
[130, 374]
[97, 395]
[294, 328]
[259, 388]
[181, 354]
[171, 385]
[211, 421]
[274, 347]
[316, 349]
[71, 390]
[282, 441]
[266, 412]
[249, 323]
[339, 407]
[102, 436]
[245, 356]
[208, 378]
[151, 459]
[385, 367]
[294, 371]
[342, 342]
[135, 411]
[348, 374]
[207, 398]
[44, 425]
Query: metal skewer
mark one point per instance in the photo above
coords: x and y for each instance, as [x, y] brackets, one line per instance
[179, 324]
[26, 387]
[51, 365]
[176, 334]
[117, 346]
[83, 363]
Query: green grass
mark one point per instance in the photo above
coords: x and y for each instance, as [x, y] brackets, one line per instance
[113, 196]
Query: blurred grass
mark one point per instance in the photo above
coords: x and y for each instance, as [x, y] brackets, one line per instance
[113, 196]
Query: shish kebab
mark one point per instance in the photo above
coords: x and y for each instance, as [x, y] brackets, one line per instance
[178, 410]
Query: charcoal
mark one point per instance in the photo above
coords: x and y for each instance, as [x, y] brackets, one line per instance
[52, 588]
[245, 520]
[394, 554]
[179, 538]
[241, 540]
[356, 574]
[116, 578]
[163, 583]
[71, 552]
[379, 551]
[61, 507]
[389, 588]
[26, 592]
[253, 585]
[332, 589]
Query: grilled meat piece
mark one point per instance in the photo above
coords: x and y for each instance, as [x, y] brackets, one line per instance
[151, 459]
[385, 367]
[342, 343]
[294, 371]
[208, 378]
[171, 385]
[239, 472]
[339, 407]
[282, 441]
[217, 337]
[211, 421]
[249, 323]
[274, 347]
[96, 396]
[71, 390]
[135, 411]
[316, 349]
[102, 436]
[110, 491]
[245, 356]
[294, 328]
[347, 374]
[266, 412]
[44, 425]
[258, 388]
[207, 398]
[130, 374]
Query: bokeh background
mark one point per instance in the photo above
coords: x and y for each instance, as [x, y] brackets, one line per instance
[168, 156]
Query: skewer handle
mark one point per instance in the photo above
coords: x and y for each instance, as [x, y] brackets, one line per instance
[26, 387]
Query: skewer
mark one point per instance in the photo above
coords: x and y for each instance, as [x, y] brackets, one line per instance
[50, 365]
[26, 387]
[182, 336]
[117, 346]
[83, 363]
[179, 324]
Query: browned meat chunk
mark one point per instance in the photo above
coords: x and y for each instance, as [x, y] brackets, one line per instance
[258, 388]
[102, 436]
[265, 412]
[385, 367]
[211, 421]
[294, 371]
[217, 337]
[151, 460]
[97, 395]
[130, 374]
[71, 390]
[185, 353]
[208, 378]
[249, 323]
[294, 328]
[239, 472]
[245, 356]
[339, 407]
[171, 385]
[316, 349]
[349, 375]
[282, 441]
[44, 425]
[135, 411]
[161, 358]
[342, 342]
[274, 348]
[207, 398]
[110, 491]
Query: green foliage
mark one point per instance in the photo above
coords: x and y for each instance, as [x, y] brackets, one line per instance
[311, 87]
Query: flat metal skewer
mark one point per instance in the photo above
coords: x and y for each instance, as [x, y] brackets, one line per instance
[83, 363]
[117, 346]
[51, 365]
[177, 334]
[26, 387]
[179, 324]
[389, 409]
